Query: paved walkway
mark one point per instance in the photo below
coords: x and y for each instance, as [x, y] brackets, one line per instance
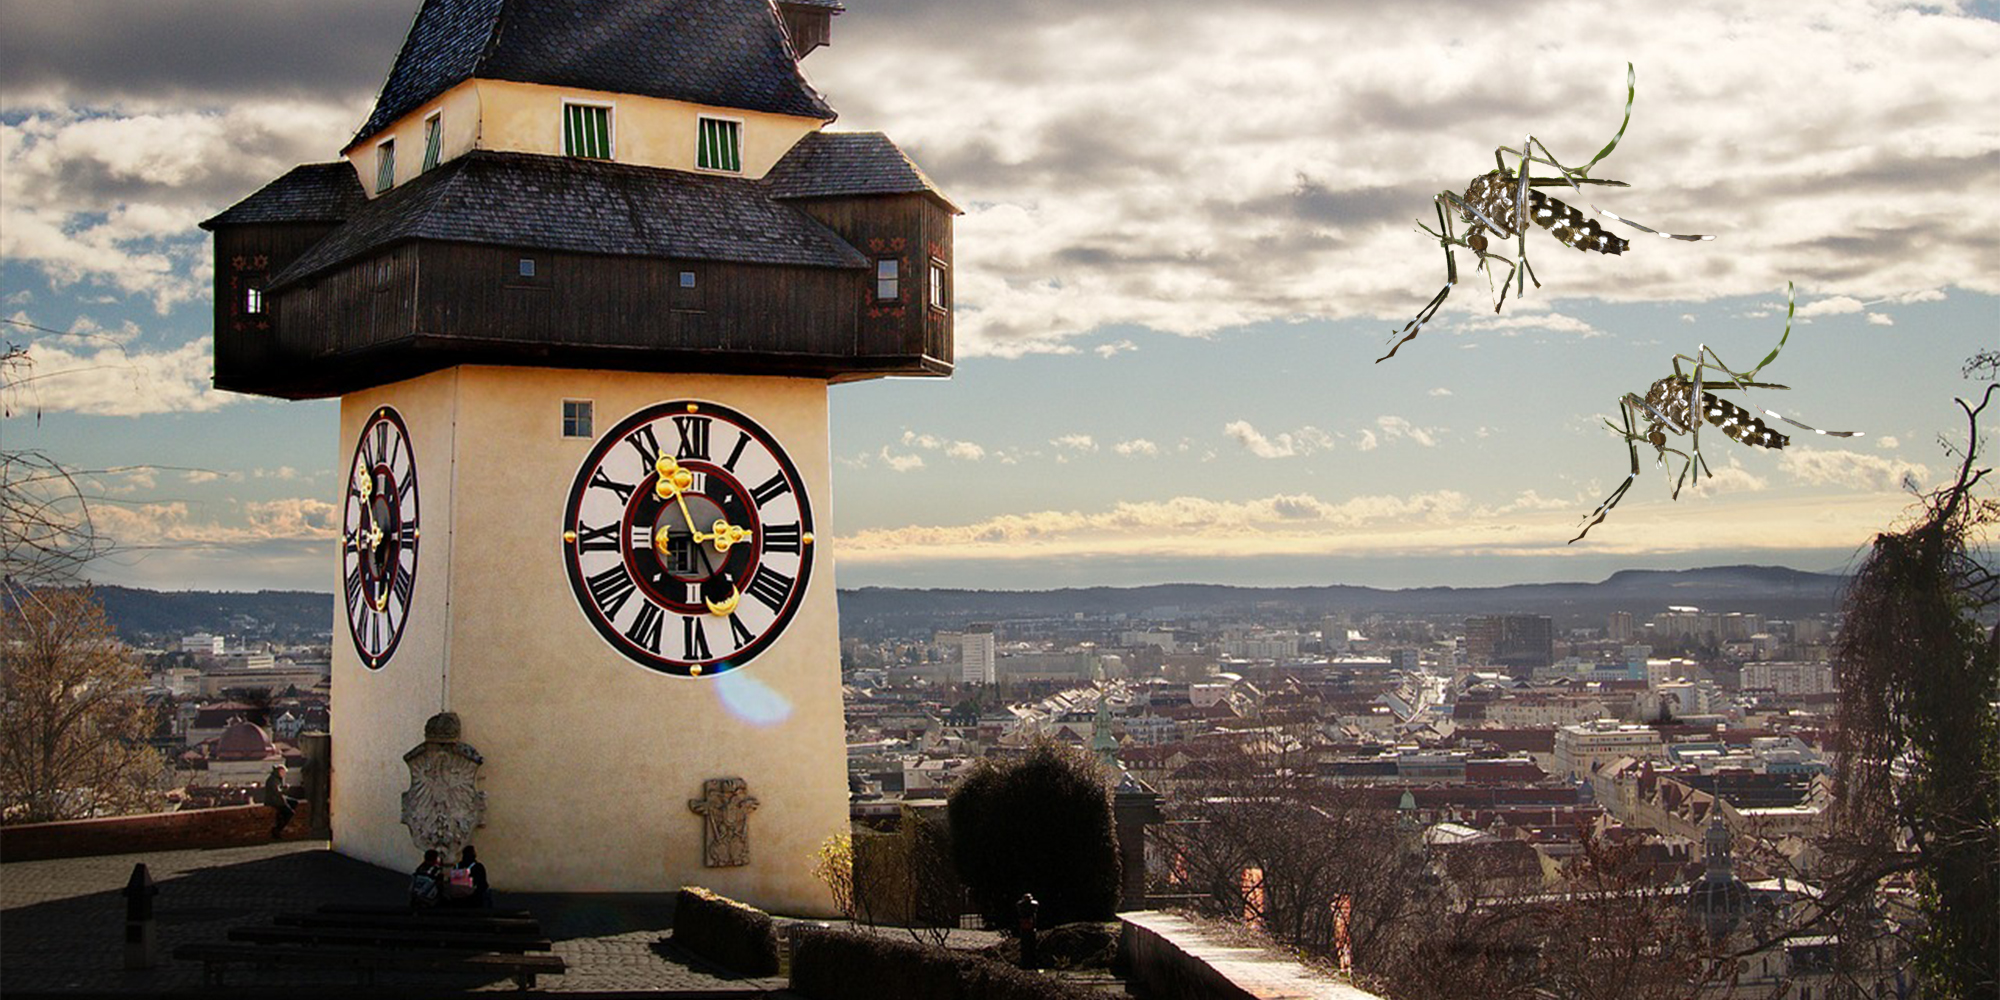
[62, 927]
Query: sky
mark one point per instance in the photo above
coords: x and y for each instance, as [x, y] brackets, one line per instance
[1190, 230]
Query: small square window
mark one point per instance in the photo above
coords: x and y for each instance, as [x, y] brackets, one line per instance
[687, 279]
[939, 287]
[576, 419]
[527, 267]
[385, 166]
[888, 281]
[719, 145]
[587, 131]
[433, 140]
[253, 301]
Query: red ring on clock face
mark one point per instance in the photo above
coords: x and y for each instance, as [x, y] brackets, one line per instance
[646, 567]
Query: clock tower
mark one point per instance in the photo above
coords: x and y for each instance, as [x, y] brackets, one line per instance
[581, 282]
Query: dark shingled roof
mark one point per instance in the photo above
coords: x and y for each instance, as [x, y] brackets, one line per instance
[835, 164]
[310, 192]
[724, 53]
[582, 206]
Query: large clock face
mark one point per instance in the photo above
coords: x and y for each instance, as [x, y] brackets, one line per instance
[688, 538]
[378, 549]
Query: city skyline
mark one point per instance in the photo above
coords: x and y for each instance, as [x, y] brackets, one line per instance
[1187, 237]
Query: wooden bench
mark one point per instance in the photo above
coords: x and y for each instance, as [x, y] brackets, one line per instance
[523, 968]
[368, 938]
[391, 937]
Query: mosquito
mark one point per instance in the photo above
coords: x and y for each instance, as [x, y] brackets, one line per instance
[1505, 201]
[1681, 403]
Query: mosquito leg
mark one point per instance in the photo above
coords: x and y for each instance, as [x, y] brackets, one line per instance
[1446, 240]
[1691, 238]
[1632, 439]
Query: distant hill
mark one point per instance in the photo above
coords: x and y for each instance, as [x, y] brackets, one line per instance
[1772, 591]
[156, 616]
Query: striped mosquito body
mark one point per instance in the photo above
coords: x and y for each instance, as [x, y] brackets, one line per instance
[1669, 406]
[1671, 398]
[1491, 201]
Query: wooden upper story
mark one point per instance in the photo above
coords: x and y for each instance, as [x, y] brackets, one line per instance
[558, 183]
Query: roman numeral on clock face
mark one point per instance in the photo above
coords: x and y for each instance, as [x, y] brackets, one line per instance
[771, 489]
[645, 628]
[611, 589]
[694, 437]
[770, 587]
[694, 642]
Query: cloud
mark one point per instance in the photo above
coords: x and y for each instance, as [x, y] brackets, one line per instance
[1439, 391]
[1082, 443]
[1108, 351]
[1851, 469]
[1136, 446]
[1886, 442]
[901, 463]
[117, 381]
[1881, 319]
[1838, 305]
[963, 450]
[1393, 428]
[1288, 444]
[1548, 321]
[175, 524]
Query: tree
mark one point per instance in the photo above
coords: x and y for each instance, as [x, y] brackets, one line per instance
[73, 724]
[1918, 775]
[1041, 824]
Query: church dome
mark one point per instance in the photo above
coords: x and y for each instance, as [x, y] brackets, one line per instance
[244, 741]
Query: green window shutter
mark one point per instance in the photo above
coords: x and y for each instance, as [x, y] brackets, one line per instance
[719, 145]
[587, 131]
[385, 167]
[433, 140]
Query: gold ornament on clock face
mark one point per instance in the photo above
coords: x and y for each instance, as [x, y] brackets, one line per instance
[688, 538]
[379, 535]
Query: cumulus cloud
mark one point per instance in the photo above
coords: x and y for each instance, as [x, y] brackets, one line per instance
[1394, 428]
[1076, 442]
[1288, 444]
[1881, 319]
[1886, 442]
[967, 451]
[1114, 349]
[179, 524]
[110, 379]
[1851, 469]
[1838, 305]
[901, 463]
[1439, 391]
[1136, 446]
[1547, 321]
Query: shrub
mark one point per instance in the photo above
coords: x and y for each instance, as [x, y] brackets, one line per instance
[1041, 824]
[833, 866]
[726, 932]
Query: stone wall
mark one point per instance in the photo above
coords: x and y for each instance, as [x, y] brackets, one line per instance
[1169, 957]
[232, 826]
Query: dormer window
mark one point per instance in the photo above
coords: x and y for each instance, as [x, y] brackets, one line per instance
[587, 131]
[719, 145]
[385, 166]
[940, 289]
[888, 280]
[433, 140]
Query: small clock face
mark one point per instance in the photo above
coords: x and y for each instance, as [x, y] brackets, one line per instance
[379, 530]
[688, 538]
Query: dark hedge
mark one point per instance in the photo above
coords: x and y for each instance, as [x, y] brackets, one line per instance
[839, 965]
[726, 932]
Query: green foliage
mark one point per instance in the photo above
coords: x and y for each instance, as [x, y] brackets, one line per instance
[724, 931]
[1041, 824]
[833, 866]
[1919, 778]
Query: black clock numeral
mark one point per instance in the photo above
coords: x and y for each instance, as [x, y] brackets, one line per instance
[375, 633]
[603, 539]
[739, 633]
[694, 642]
[406, 536]
[645, 629]
[598, 480]
[610, 589]
[403, 584]
[648, 446]
[354, 586]
[396, 445]
[770, 586]
[772, 488]
[694, 437]
[736, 452]
[404, 488]
[782, 537]
[382, 441]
